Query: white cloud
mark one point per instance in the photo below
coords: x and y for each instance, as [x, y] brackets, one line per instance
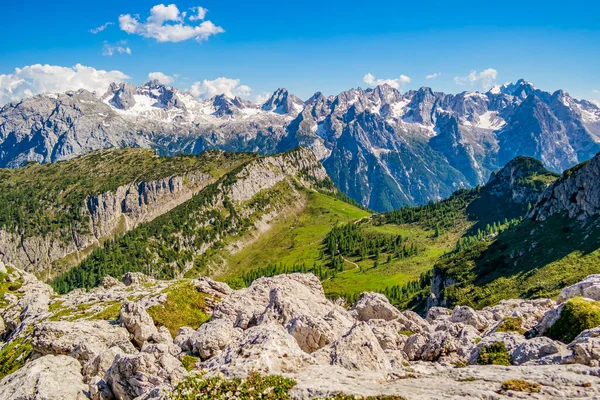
[101, 28]
[200, 14]
[433, 76]
[596, 91]
[162, 78]
[261, 98]
[120, 47]
[484, 79]
[35, 79]
[167, 24]
[596, 102]
[397, 83]
[229, 87]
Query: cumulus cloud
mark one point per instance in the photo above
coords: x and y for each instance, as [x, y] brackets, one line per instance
[200, 13]
[120, 48]
[433, 76]
[397, 83]
[101, 28]
[261, 98]
[37, 78]
[168, 24]
[229, 87]
[162, 78]
[484, 79]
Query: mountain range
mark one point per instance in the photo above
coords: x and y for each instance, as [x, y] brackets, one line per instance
[383, 148]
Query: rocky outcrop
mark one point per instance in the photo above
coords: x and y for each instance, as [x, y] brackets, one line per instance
[588, 288]
[286, 325]
[103, 216]
[576, 194]
[47, 378]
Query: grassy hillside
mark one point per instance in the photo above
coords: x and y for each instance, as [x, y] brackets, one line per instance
[43, 199]
[531, 260]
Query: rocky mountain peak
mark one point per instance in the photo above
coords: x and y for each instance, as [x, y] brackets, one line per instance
[283, 102]
[576, 194]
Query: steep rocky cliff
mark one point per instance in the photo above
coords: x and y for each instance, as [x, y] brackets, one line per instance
[54, 216]
[576, 194]
[193, 237]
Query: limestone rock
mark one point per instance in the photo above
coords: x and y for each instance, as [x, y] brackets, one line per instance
[357, 350]
[83, 340]
[588, 288]
[437, 314]
[183, 338]
[372, 305]
[212, 337]
[536, 348]
[213, 288]
[586, 347]
[136, 320]
[47, 378]
[467, 315]
[266, 348]
[510, 339]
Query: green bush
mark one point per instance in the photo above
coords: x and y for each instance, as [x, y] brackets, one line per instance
[520, 385]
[255, 386]
[577, 315]
[494, 354]
[511, 324]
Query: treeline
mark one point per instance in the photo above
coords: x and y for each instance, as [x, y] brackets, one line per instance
[323, 273]
[351, 240]
[488, 232]
[445, 214]
[164, 247]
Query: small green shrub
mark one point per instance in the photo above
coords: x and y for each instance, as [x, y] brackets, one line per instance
[494, 354]
[110, 313]
[14, 355]
[406, 333]
[511, 324]
[520, 385]
[577, 315]
[189, 362]
[185, 306]
[255, 386]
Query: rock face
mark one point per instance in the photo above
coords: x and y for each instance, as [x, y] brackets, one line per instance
[576, 194]
[366, 139]
[48, 378]
[103, 216]
[588, 288]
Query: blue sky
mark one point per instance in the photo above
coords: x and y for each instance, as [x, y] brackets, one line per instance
[327, 46]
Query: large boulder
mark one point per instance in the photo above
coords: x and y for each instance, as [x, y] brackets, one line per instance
[134, 375]
[138, 322]
[212, 337]
[371, 305]
[466, 315]
[588, 288]
[535, 349]
[448, 340]
[47, 378]
[586, 347]
[84, 340]
[357, 350]
[213, 288]
[266, 348]
[510, 339]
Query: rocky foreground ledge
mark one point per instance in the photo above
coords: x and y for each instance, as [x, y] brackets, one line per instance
[285, 325]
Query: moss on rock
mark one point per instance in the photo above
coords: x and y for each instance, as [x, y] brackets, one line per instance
[577, 315]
